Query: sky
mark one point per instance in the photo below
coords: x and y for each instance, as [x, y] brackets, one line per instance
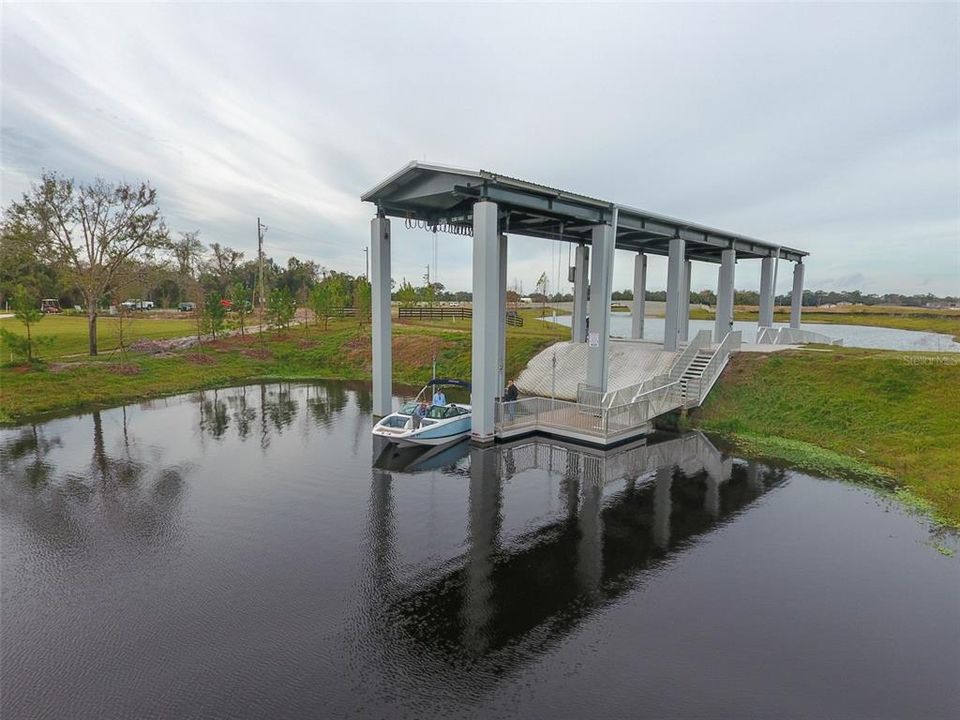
[830, 128]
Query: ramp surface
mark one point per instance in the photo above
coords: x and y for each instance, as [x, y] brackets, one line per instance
[631, 362]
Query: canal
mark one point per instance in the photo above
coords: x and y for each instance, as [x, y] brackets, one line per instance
[248, 553]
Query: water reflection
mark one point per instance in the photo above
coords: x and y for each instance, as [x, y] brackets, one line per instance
[624, 513]
[125, 485]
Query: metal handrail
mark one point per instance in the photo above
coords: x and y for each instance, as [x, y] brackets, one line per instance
[714, 366]
[683, 361]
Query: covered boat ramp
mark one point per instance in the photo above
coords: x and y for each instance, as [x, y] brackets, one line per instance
[489, 207]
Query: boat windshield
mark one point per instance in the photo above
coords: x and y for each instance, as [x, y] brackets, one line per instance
[444, 412]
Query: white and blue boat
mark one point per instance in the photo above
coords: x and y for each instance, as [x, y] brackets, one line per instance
[442, 424]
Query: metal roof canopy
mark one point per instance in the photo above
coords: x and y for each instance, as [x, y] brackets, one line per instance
[442, 195]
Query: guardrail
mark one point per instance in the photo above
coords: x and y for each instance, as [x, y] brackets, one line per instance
[701, 340]
[589, 395]
[793, 336]
[604, 424]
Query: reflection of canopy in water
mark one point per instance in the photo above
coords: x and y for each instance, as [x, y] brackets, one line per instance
[526, 594]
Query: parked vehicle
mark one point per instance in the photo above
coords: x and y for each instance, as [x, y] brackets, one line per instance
[226, 304]
[187, 307]
[137, 304]
[50, 305]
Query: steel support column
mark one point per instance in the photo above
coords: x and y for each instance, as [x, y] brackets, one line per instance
[675, 270]
[580, 287]
[502, 318]
[639, 295]
[685, 303]
[724, 320]
[766, 292]
[601, 279]
[381, 320]
[486, 304]
[796, 300]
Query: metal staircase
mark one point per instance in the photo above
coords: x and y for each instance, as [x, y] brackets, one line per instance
[691, 379]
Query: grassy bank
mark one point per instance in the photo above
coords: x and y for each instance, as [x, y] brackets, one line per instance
[885, 413]
[67, 383]
[946, 322]
[69, 333]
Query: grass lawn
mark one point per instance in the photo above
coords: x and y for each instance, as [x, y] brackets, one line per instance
[894, 411]
[902, 318]
[68, 383]
[70, 332]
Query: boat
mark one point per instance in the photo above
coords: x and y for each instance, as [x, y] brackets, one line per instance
[442, 424]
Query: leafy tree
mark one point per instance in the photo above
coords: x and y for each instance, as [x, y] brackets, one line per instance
[26, 311]
[406, 294]
[94, 231]
[20, 263]
[281, 307]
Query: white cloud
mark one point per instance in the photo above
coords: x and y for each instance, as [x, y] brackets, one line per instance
[829, 127]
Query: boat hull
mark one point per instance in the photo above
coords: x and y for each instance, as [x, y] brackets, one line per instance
[440, 432]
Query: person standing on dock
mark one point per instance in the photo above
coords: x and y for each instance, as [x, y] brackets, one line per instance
[511, 396]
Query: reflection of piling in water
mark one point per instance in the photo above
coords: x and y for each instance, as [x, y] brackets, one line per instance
[590, 544]
[662, 507]
[485, 521]
[546, 580]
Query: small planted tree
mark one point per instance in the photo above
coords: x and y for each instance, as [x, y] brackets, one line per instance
[25, 310]
[281, 308]
[406, 294]
[214, 314]
[362, 300]
[321, 302]
[241, 305]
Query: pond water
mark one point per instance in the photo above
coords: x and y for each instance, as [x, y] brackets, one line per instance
[862, 336]
[248, 553]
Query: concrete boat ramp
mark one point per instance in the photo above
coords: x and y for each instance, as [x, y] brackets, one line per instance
[644, 382]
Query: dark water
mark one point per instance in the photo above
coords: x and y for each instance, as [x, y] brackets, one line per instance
[234, 554]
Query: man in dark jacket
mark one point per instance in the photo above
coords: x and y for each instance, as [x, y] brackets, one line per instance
[510, 396]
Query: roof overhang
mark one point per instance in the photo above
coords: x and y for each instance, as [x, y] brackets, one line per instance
[438, 195]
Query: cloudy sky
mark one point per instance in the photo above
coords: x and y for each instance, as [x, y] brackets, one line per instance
[833, 128]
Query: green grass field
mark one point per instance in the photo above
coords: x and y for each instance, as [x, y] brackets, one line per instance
[894, 411]
[946, 322]
[70, 332]
[69, 381]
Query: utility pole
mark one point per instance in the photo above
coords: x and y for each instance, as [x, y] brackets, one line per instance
[261, 229]
[366, 272]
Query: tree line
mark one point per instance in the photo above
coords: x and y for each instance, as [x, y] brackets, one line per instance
[94, 245]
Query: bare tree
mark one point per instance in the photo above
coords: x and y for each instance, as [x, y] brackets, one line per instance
[95, 231]
[224, 263]
[188, 253]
